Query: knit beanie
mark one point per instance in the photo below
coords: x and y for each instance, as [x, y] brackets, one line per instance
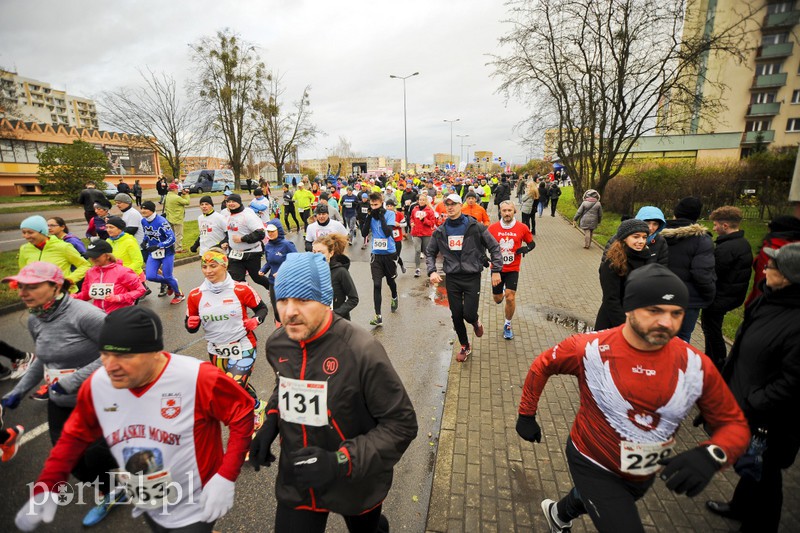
[207, 200]
[304, 276]
[132, 329]
[689, 207]
[631, 226]
[235, 198]
[149, 205]
[117, 222]
[36, 223]
[124, 198]
[654, 284]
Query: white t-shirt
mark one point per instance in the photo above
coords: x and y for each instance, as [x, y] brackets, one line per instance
[244, 223]
[212, 230]
[315, 231]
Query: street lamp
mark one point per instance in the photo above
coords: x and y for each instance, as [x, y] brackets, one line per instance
[468, 147]
[461, 152]
[451, 136]
[405, 129]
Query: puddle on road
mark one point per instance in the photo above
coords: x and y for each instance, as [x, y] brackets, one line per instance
[569, 322]
[437, 295]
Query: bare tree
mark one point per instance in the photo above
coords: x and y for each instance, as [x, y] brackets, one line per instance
[284, 128]
[598, 74]
[156, 114]
[344, 149]
[229, 80]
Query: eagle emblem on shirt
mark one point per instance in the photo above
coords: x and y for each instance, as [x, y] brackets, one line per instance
[636, 424]
[170, 407]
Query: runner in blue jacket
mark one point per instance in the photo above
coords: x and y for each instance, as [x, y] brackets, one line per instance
[159, 246]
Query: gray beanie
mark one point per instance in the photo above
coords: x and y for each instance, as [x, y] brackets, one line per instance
[124, 198]
[631, 226]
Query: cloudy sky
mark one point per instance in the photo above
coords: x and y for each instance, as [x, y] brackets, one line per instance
[344, 49]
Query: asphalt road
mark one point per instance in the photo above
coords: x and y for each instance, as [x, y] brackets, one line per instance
[417, 339]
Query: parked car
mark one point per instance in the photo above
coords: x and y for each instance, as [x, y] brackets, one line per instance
[109, 189]
[200, 181]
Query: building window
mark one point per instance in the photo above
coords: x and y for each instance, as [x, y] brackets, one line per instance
[763, 98]
[779, 7]
[765, 69]
[6, 151]
[796, 96]
[793, 124]
[775, 38]
[757, 125]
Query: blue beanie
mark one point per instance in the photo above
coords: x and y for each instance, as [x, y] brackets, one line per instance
[306, 276]
[36, 223]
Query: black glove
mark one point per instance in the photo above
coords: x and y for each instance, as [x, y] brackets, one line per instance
[260, 454]
[151, 249]
[689, 472]
[528, 428]
[315, 467]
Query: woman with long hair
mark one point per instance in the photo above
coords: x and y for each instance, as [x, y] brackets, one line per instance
[345, 296]
[627, 252]
[528, 206]
[56, 226]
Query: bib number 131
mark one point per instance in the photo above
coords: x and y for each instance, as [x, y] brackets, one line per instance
[303, 402]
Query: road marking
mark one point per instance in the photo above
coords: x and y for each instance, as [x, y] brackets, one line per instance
[12, 240]
[32, 434]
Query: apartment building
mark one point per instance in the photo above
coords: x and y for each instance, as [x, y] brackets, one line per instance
[38, 101]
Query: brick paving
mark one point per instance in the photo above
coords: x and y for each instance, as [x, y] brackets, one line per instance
[488, 479]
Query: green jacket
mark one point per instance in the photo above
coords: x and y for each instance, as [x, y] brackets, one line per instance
[126, 249]
[303, 199]
[175, 207]
[60, 253]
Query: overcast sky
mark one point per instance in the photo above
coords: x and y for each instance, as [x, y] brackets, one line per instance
[344, 49]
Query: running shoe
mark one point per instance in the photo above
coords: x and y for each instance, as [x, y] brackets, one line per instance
[259, 413]
[478, 328]
[11, 445]
[170, 292]
[416, 273]
[163, 291]
[403, 267]
[548, 507]
[147, 292]
[179, 297]
[98, 513]
[466, 350]
[377, 321]
[18, 368]
[395, 304]
[507, 333]
[5, 373]
[42, 393]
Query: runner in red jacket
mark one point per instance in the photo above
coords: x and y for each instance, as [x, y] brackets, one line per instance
[637, 383]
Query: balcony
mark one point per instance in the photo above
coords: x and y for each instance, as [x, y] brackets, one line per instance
[772, 108]
[751, 137]
[770, 80]
[775, 50]
[780, 20]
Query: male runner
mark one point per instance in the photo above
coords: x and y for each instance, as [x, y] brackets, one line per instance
[349, 206]
[343, 414]
[515, 240]
[212, 226]
[463, 242]
[637, 383]
[245, 235]
[160, 414]
[159, 247]
[381, 223]
[322, 226]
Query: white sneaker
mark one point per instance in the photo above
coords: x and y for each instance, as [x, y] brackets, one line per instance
[19, 368]
[548, 507]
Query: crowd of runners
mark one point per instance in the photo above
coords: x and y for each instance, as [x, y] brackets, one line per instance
[147, 423]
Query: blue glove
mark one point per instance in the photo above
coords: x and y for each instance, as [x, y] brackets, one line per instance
[11, 400]
[57, 388]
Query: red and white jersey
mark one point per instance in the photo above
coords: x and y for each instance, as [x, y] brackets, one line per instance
[244, 223]
[510, 240]
[397, 230]
[171, 424]
[222, 309]
[630, 398]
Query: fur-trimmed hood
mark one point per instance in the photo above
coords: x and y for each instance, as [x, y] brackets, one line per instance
[682, 232]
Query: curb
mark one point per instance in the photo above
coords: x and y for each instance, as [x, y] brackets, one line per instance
[13, 308]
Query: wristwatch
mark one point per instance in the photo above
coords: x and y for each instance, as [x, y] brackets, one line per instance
[718, 454]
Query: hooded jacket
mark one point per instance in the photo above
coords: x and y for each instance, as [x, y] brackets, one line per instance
[590, 212]
[732, 260]
[370, 416]
[127, 285]
[275, 252]
[783, 230]
[763, 369]
[345, 295]
[691, 258]
[655, 242]
[60, 253]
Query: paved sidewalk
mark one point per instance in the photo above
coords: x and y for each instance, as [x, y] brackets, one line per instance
[487, 478]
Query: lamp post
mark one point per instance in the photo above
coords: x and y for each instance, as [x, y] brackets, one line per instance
[461, 151]
[451, 137]
[405, 128]
[468, 147]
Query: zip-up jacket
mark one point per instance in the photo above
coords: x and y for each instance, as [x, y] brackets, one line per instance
[159, 234]
[370, 416]
[732, 260]
[691, 258]
[275, 252]
[126, 285]
[471, 258]
[345, 294]
[60, 253]
[126, 249]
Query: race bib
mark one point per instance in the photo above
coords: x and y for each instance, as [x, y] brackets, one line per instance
[98, 291]
[641, 459]
[420, 215]
[380, 244]
[396, 233]
[51, 375]
[455, 242]
[158, 254]
[235, 254]
[303, 402]
[365, 210]
[508, 257]
[148, 491]
[232, 351]
[348, 205]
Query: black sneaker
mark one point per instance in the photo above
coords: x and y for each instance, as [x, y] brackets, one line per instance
[163, 291]
[42, 393]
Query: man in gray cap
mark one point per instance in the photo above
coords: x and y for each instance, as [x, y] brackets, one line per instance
[343, 414]
[132, 217]
[637, 381]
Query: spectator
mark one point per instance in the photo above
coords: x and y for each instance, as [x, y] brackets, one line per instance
[782, 230]
[123, 187]
[162, 188]
[137, 193]
[732, 260]
[175, 211]
[691, 258]
[655, 242]
[543, 197]
[590, 214]
[553, 194]
[88, 197]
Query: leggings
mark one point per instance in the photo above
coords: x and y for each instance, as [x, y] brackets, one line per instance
[166, 264]
[289, 210]
[553, 203]
[250, 264]
[529, 219]
[238, 369]
[273, 301]
[463, 293]
[288, 520]
[399, 246]
[351, 223]
[304, 217]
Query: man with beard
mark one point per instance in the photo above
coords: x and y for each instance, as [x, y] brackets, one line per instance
[637, 383]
